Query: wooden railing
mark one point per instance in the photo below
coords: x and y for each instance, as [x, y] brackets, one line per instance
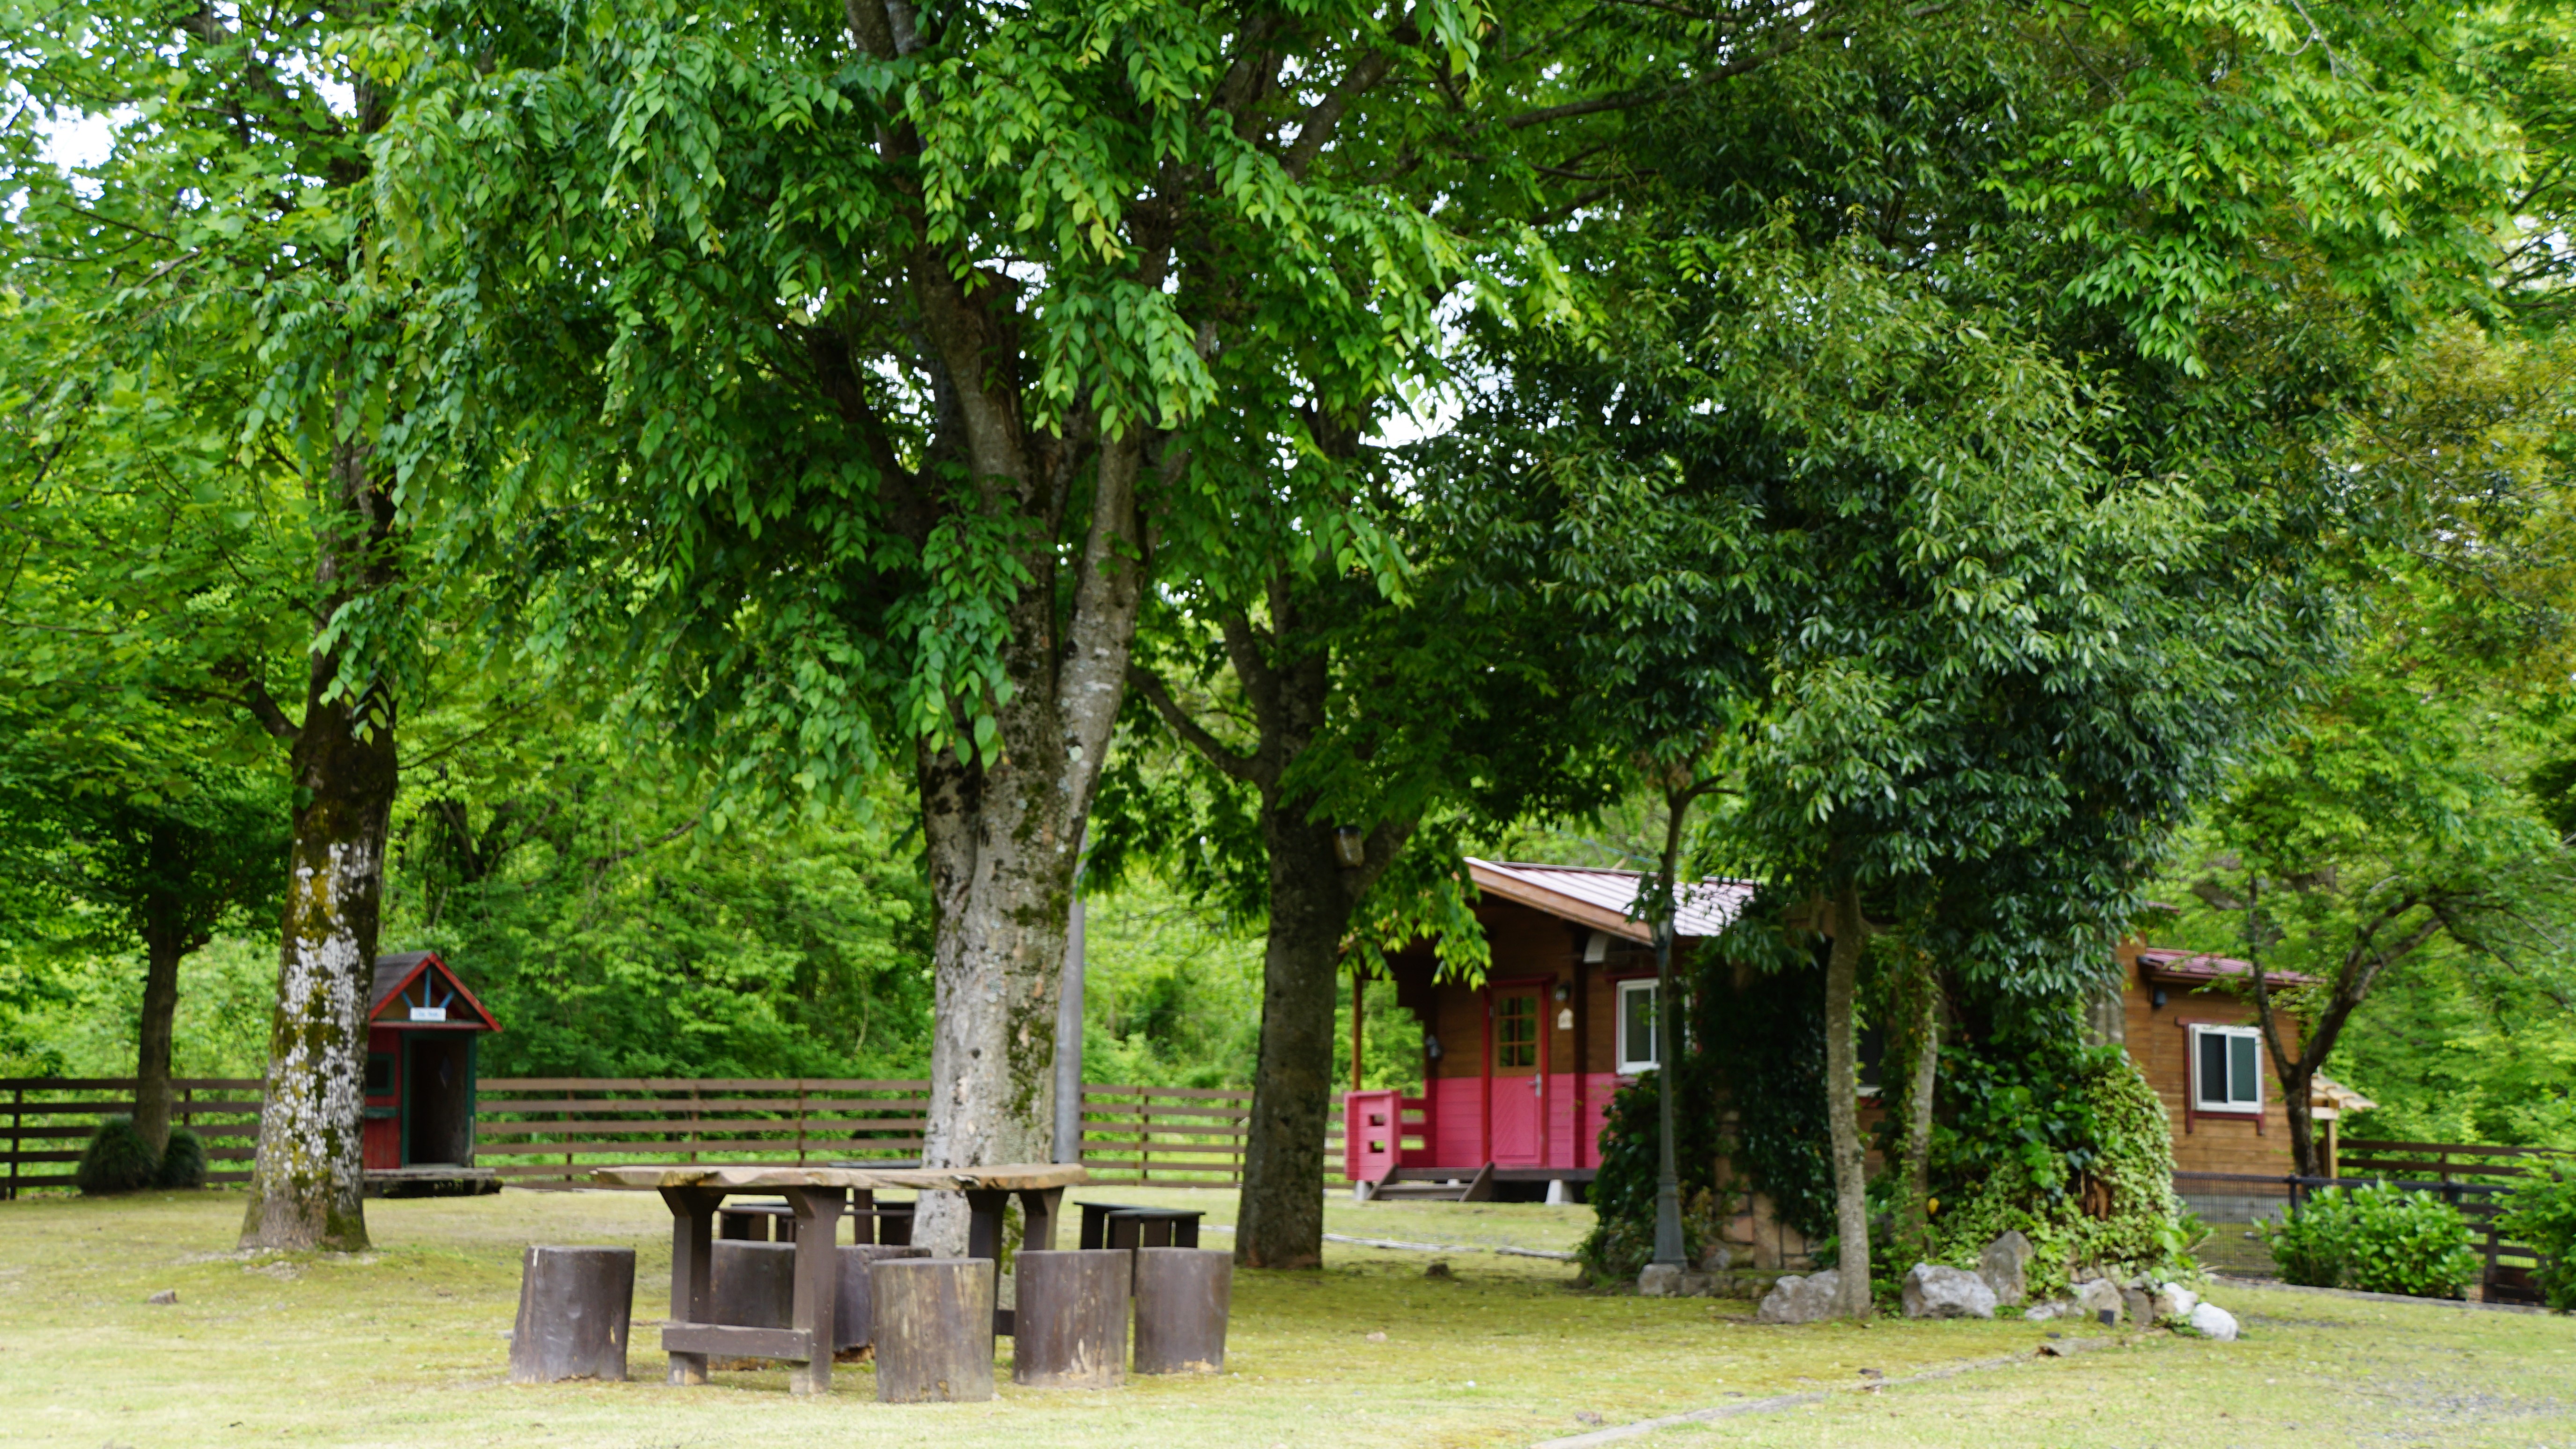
[537, 1129]
[2442, 1161]
[48, 1119]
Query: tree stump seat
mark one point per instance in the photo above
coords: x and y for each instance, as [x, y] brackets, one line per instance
[934, 1329]
[575, 1307]
[1182, 1298]
[1069, 1329]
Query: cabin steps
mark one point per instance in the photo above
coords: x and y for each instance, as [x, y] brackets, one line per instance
[1434, 1184]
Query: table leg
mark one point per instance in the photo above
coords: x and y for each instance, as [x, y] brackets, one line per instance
[863, 1230]
[984, 1207]
[1039, 1210]
[818, 1282]
[693, 1212]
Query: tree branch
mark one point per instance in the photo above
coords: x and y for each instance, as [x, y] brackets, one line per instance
[1233, 765]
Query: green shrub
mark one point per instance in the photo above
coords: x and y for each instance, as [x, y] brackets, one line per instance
[116, 1160]
[2379, 1239]
[2541, 1213]
[183, 1162]
[2030, 1126]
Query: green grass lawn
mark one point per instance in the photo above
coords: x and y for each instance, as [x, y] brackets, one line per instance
[406, 1345]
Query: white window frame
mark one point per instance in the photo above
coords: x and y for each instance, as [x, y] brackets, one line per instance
[2201, 1102]
[1629, 1065]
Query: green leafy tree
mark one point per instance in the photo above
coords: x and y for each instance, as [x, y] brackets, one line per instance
[199, 351]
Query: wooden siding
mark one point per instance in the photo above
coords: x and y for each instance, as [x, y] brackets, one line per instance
[2159, 1041]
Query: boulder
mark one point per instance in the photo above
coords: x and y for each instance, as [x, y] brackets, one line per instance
[1800, 1300]
[1660, 1280]
[1933, 1291]
[2097, 1297]
[2211, 1321]
[2053, 1308]
[2174, 1302]
[2005, 1266]
[2139, 1305]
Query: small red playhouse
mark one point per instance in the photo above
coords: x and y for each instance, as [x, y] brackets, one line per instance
[422, 1029]
[1518, 1069]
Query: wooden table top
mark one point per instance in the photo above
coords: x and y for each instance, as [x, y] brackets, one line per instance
[1008, 1177]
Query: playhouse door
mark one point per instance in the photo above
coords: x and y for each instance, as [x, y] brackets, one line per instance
[1520, 1109]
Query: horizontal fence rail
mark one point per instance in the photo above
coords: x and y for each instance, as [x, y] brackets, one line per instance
[539, 1129]
[49, 1119]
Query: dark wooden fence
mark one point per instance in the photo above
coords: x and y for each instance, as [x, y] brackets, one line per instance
[49, 1118]
[2472, 1178]
[539, 1129]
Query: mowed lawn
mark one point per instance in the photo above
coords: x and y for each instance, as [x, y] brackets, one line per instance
[407, 1345]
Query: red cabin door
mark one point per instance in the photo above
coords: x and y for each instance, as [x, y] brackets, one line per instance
[1519, 1085]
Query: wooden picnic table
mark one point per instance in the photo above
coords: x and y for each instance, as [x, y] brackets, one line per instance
[818, 1195]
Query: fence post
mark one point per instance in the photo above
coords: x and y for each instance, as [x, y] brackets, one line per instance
[1144, 1139]
[800, 1121]
[693, 1124]
[17, 1105]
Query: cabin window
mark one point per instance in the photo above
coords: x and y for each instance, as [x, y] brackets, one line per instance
[2226, 1069]
[380, 1074]
[1516, 1034]
[1637, 1027]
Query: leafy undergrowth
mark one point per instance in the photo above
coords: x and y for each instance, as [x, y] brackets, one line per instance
[405, 1345]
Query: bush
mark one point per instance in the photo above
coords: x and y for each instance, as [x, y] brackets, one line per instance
[2379, 1239]
[116, 1160]
[2541, 1213]
[2063, 1143]
[183, 1162]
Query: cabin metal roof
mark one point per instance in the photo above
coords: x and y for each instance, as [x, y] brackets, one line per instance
[1602, 898]
[2199, 968]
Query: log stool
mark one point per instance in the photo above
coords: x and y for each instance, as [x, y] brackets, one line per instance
[1069, 1329]
[934, 1329]
[1182, 1295]
[753, 1283]
[853, 1323]
[574, 1307]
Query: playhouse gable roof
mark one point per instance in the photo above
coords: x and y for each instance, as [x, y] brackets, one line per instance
[1601, 898]
[419, 978]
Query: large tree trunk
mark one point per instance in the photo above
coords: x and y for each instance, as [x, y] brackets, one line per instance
[1279, 1222]
[1842, 1106]
[307, 1181]
[1004, 829]
[165, 943]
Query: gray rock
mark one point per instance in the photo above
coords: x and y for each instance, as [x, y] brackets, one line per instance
[1800, 1300]
[1698, 1285]
[2054, 1308]
[2174, 1302]
[2139, 1305]
[2211, 1321]
[165, 1297]
[2005, 1266]
[1933, 1291]
[1717, 1259]
[1660, 1280]
[2097, 1297]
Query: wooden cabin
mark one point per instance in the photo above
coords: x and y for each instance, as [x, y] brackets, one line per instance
[1518, 1070]
[423, 1031]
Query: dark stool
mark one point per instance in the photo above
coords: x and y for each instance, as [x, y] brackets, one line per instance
[1069, 1328]
[1182, 1297]
[934, 1329]
[1124, 1225]
[574, 1308]
[853, 1308]
[756, 1222]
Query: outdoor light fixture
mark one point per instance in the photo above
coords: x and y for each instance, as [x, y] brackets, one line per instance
[2159, 998]
[1350, 846]
[1564, 992]
[1430, 1046]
